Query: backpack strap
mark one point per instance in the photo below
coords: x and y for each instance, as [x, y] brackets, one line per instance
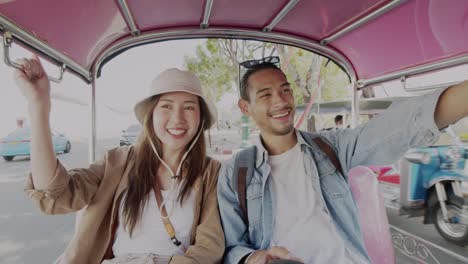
[326, 148]
[241, 192]
[244, 167]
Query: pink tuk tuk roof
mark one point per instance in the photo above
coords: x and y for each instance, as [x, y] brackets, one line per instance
[369, 38]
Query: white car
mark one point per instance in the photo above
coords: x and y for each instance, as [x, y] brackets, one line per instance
[130, 135]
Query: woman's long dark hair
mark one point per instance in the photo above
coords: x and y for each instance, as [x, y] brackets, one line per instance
[146, 166]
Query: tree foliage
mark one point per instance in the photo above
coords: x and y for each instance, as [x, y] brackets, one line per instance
[312, 76]
[217, 64]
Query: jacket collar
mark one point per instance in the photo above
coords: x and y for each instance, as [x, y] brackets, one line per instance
[124, 180]
[262, 153]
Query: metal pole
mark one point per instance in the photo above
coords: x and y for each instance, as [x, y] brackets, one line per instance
[35, 43]
[355, 106]
[7, 40]
[244, 118]
[92, 136]
[206, 14]
[425, 68]
[375, 14]
[92, 128]
[229, 33]
[128, 17]
[286, 9]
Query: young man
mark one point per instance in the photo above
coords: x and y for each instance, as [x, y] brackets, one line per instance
[298, 205]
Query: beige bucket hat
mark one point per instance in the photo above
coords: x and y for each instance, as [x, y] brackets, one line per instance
[175, 80]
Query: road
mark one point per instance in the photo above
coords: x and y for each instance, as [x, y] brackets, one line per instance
[27, 236]
[415, 242]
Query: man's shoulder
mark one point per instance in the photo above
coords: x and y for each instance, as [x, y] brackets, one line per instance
[308, 136]
[303, 132]
[329, 137]
[232, 160]
[228, 166]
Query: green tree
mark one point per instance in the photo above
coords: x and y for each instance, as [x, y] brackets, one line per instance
[216, 62]
[312, 76]
[210, 66]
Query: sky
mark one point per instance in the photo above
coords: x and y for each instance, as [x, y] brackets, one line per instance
[125, 80]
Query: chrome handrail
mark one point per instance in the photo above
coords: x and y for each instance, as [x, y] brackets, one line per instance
[7, 40]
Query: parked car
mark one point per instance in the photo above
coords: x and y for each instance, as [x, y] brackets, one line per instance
[17, 143]
[130, 135]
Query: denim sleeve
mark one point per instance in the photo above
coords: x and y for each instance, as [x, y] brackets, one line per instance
[235, 229]
[385, 138]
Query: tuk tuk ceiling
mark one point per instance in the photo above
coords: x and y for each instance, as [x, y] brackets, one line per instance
[373, 40]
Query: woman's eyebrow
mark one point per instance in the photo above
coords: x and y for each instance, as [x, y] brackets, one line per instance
[172, 101]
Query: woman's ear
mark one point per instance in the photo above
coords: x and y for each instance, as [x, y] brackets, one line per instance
[243, 106]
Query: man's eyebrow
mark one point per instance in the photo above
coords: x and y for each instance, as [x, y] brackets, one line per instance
[263, 90]
[285, 84]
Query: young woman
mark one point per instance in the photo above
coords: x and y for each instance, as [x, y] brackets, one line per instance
[154, 202]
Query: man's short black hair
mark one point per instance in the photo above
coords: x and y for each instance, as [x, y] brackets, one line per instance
[338, 118]
[244, 93]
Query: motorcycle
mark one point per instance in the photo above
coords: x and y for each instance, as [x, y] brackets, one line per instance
[430, 186]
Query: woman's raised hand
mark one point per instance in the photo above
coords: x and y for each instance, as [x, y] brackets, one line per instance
[35, 86]
[33, 82]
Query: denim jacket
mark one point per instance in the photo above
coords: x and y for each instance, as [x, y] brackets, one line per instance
[383, 140]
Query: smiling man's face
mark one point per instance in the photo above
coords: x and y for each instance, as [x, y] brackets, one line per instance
[271, 102]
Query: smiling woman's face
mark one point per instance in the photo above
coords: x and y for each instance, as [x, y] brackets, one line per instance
[176, 118]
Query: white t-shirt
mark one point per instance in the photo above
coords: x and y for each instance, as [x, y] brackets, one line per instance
[300, 224]
[149, 234]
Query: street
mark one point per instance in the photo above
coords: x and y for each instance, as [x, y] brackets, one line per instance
[27, 236]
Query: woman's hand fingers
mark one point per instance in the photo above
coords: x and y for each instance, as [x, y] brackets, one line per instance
[36, 66]
[33, 81]
[31, 68]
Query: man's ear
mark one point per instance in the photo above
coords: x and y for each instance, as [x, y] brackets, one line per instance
[243, 106]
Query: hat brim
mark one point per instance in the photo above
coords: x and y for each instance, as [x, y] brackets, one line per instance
[140, 106]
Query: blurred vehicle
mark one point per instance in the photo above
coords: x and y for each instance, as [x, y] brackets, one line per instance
[464, 137]
[429, 183]
[130, 135]
[387, 174]
[17, 143]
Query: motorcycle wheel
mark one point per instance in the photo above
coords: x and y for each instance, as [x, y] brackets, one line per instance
[452, 232]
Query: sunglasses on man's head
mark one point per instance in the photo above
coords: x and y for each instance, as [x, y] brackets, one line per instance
[252, 63]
